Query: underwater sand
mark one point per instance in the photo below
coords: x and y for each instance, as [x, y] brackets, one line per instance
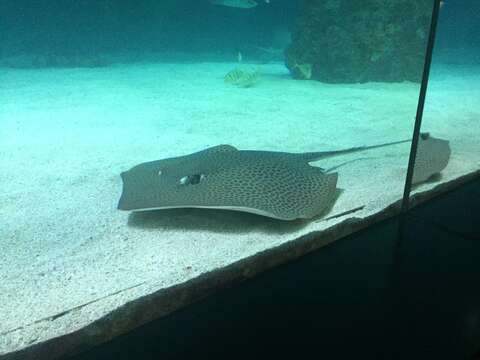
[65, 136]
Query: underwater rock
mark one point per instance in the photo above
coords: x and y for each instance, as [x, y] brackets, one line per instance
[358, 41]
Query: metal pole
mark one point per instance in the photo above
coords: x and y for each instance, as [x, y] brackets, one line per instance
[395, 289]
[416, 135]
[413, 152]
[421, 104]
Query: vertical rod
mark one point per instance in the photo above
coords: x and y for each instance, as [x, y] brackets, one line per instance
[413, 150]
[421, 105]
[396, 297]
[416, 134]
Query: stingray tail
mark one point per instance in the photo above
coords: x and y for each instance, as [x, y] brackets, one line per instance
[318, 155]
[330, 169]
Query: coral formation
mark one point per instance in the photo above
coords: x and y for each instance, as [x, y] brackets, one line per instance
[360, 41]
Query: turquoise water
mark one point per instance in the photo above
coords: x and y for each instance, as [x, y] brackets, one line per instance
[193, 75]
[90, 89]
[129, 30]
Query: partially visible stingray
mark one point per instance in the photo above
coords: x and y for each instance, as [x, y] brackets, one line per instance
[279, 185]
[432, 157]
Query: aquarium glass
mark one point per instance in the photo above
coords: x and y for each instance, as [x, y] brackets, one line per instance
[260, 113]
[451, 150]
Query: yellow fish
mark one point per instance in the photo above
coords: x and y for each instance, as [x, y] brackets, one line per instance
[244, 78]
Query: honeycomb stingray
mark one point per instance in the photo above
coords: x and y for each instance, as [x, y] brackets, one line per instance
[279, 185]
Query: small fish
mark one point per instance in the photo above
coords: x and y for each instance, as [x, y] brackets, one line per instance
[233, 76]
[244, 4]
[242, 77]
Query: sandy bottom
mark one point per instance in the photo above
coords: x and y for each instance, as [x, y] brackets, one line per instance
[65, 135]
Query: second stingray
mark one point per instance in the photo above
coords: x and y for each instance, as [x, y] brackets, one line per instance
[279, 185]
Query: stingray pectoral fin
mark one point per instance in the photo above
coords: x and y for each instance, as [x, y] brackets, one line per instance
[323, 197]
[218, 148]
[332, 192]
[136, 192]
[126, 198]
[433, 155]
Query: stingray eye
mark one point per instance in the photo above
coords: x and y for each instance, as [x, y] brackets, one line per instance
[192, 179]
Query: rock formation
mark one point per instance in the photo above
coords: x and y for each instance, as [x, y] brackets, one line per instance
[347, 41]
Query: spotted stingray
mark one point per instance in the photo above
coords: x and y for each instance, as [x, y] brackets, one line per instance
[279, 185]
